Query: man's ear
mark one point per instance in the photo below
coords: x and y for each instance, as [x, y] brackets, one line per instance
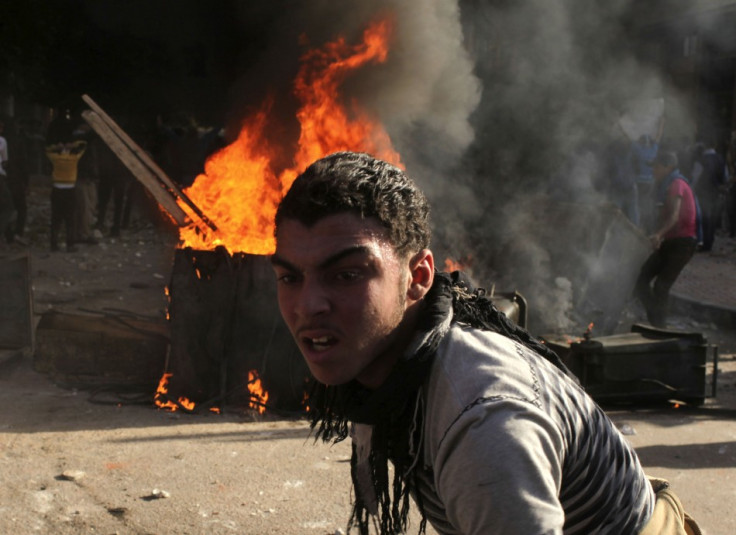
[421, 266]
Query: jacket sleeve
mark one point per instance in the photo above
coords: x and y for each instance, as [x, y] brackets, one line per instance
[498, 470]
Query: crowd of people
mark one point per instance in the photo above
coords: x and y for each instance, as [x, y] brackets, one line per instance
[87, 178]
[628, 180]
[81, 170]
[678, 194]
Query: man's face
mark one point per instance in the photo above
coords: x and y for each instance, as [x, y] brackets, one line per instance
[342, 290]
[660, 171]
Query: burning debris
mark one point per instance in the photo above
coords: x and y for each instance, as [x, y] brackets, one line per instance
[228, 342]
[247, 169]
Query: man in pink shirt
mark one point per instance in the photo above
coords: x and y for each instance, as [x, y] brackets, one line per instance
[674, 240]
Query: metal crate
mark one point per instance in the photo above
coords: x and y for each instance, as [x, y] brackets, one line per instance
[647, 364]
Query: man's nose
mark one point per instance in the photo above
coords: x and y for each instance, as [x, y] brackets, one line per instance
[313, 300]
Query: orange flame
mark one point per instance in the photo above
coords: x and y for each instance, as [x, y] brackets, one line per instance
[589, 330]
[458, 265]
[240, 191]
[162, 390]
[326, 126]
[451, 265]
[258, 395]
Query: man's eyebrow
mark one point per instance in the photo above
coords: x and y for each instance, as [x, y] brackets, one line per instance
[276, 260]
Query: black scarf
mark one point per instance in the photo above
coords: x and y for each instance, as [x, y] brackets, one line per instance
[395, 410]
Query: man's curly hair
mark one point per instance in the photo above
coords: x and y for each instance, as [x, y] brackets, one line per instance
[363, 185]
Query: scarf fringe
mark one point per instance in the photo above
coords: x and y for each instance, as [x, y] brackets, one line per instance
[398, 425]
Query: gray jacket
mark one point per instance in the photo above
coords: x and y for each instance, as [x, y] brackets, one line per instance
[513, 446]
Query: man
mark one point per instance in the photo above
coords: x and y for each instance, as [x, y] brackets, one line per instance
[619, 177]
[710, 185]
[17, 181]
[482, 423]
[7, 207]
[731, 186]
[85, 196]
[674, 241]
[644, 150]
[64, 158]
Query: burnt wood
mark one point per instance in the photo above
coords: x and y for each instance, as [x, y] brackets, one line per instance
[225, 322]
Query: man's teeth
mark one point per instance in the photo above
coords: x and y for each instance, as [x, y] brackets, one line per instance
[321, 343]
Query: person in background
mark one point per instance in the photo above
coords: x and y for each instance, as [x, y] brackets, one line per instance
[86, 186]
[64, 153]
[674, 241]
[619, 178]
[644, 150]
[710, 187]
[116, 183]
[7, 207]
[731, 194]
[483, 424]
[17, 175]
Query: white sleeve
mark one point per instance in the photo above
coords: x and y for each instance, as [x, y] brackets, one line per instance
[498, 470]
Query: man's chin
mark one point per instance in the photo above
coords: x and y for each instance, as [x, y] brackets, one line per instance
[328, 378]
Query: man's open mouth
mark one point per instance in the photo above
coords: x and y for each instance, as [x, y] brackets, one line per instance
[321, 343]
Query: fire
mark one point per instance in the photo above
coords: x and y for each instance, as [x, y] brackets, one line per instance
[163, 389]
[586, 335]
[326, 126]
[258, 395]
[239, 190]
[589, 331]
[457, 265]
[305, 398]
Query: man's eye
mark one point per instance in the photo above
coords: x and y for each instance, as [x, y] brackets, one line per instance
[286, 278]
[347, 276]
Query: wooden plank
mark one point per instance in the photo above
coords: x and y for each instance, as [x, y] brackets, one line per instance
[144, 175]
[147, 160]
[87, 351]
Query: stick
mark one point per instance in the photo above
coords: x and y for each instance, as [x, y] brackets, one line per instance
[147, 160]
[141, 172]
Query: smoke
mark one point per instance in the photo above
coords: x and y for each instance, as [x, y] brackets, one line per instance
[424, 94]
[492, 104]
[556, 75]
[427, 82]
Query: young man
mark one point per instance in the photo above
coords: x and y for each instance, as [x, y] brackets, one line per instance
[64, 158]
[710, 186]
[674, 241]
[7, 207]
[484, 426]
